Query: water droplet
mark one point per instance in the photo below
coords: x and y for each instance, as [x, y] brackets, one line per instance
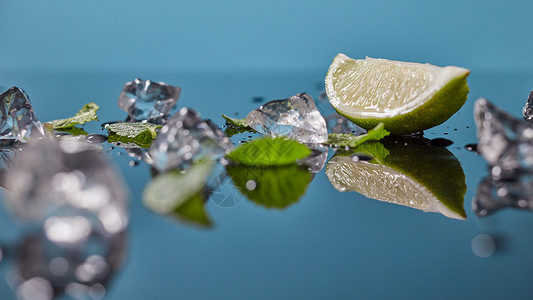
[133, 163]
[258, 99]
[483, 245]
[60, 134]
[251, 185]
[471, 147]
[440, 142]
[359, 157]
[95, 138]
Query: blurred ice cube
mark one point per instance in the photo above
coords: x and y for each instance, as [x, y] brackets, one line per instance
[71, 182]
[18, 121]
[296, 118]
[493, 194]
[46, 269]
[186, 138]
[528, 108]
[145, 99]
[505, 142]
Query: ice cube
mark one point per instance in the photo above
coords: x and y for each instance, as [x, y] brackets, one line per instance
[46, 269]
[186, 138]
[493, 195]
[295, 118]
[145, 99]
[317, 160]
[506, 143]
[339, 124]
[528, 108]
[18, 121]
[67, 179]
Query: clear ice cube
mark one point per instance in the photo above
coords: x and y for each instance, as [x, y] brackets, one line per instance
[145, 99]
[339, 124]
[295, 118]
[18, 121]
[317, 160]
[67, 179]
[527, 112]
[46, 269]
[493, 195]
[506, 143]
[186, 138]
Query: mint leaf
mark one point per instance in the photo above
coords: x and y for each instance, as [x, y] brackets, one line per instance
[268, 152]
[180, 193]
[276, 187]
[193, 210]
[236, 122]
[141, 134]
[73, 131]
[236, 126]
[350, 140]
[373, 149]
[86, 114]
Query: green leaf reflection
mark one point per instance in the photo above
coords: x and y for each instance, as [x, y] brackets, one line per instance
[180, 193]
[404, 171]
[276, 187]
[236, 126]
[73, 130]
[351, 140]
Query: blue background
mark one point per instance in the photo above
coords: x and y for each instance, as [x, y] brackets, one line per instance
[329, 244]
[275, 35]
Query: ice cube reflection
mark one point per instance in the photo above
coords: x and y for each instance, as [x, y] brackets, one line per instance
[44, 268]
[74, 205]
[506, 143]
[66, 178]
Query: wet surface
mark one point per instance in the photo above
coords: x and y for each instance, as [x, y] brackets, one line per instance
[322, 244]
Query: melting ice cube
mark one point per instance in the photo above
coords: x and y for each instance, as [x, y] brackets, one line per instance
[46, 269]
[69, 181]
[18, 121]
[339, 124]
[296, 118]
[505, 142]
[493, 195]
[528, 108]
[145, 99]
[186, 138]
[317, 160]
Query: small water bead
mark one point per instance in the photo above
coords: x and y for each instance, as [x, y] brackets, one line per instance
[361, 157]
[95, 138]
[440, 142]
[471, 147]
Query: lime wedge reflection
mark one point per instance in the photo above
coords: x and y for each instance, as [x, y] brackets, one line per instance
[404, 171]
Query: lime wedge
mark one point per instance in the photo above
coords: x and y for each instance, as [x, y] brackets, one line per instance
[406, 97]
[407, 172]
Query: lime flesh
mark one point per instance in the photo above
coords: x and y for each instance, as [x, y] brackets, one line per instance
[406, 97]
